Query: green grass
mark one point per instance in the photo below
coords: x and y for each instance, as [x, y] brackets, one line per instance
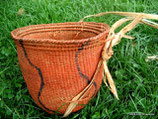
[136, 79]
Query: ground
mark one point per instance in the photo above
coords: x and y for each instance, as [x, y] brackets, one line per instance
[135, 78]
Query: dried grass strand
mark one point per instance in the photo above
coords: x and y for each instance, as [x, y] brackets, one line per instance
[112, 40]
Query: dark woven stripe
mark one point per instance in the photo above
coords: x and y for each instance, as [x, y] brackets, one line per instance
[79, 69]
[40, 74]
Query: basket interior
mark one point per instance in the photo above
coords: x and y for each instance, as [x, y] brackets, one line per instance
[62, 31]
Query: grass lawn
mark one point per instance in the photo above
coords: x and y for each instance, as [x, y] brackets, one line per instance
[135, 79]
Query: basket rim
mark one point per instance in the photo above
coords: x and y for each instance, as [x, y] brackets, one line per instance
[16, 38]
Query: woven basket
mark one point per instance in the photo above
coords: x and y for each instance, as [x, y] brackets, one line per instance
[63, 63]
[59, 60]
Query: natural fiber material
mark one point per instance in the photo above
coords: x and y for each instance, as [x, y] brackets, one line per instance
[59, 60]
[112, 40]
[62, 63]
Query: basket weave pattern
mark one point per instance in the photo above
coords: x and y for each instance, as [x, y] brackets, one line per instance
[59, 60]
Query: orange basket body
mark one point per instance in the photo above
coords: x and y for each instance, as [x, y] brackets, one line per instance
[59, 60]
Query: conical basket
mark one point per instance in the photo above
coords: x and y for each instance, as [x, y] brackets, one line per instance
[59, 60]
[63, 63]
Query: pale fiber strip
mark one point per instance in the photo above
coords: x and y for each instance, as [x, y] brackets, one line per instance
[112, 40]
